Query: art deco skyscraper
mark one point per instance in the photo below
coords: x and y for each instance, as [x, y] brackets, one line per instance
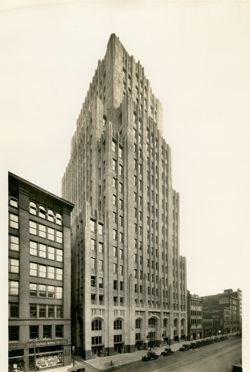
[129, 280]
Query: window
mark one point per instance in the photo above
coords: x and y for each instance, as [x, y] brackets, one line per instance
[42, 311]
[59, 311]
[100, 282]
[121, 253]
[51, 311]
[14, 310]
[138, 323]
[114, 200]
[118, 324]
[121, 269]
[114, 165]
[42, 250]
[114, 268]
[32, 227]
[51, 291]
[51, 233]
[59, 330]
[13, 202]
[92, 263]
[51, 216]
[117, 338]
[33, 289]
[113, 145]
[100, 265]
[41, 290]
[33, 248]
[120, 187]
[58, 292]
[51, 253]
[115, 284]
[97, 340]
[115, 300]
[121, 204]
[93, 281]
[13, 333]
[13, 221]
[100, 229]
[120, 169]
[33, 269]
[47, 331]
[33, 311]
[120, 152]
[58, 219]
[96, 325]
[41, 212]
[42, 230]
[92, 245]
[14, 243]
[92, 225]
[121, 237]
[121, 220]
[34, 331]
[93, 298]
[114, 182]
[59, 274]
[42, 271]
[59, 236]
[32, 208]
[114, 234]
[59, 255]
[51, 272]
[14, 265]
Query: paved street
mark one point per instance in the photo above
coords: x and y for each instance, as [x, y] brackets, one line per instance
[218, 357]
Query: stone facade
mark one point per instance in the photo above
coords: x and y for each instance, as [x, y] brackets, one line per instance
[39, 277]
[128, 278]
[221, 313]
[194, 317]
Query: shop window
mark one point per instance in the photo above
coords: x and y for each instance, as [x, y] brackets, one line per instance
[14, 243]
[32, 208]
[14, 310]
[34, 332]
[14, 265]
[47, 331]
[13, 333]
[13, 221]
[59, 330]
[33, 311]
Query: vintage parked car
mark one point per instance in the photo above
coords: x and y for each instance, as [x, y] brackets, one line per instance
[167, 352]
[150, 356]
[184, 347]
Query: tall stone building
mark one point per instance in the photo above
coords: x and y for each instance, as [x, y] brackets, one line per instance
[39, 278]
[129, 280]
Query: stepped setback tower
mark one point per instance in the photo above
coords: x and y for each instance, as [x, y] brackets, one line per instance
[128, 278]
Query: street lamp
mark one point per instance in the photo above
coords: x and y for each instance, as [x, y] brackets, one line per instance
[73, 354]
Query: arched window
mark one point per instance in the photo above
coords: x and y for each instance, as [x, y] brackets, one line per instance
[138, 323]
[96, 325]
[152, 322]
[33, 209]
[51, 216]
[58, 219]
[42, 212]
[165, 322]
[118, 324]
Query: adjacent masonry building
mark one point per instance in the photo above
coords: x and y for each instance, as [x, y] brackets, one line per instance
[39, 277]
[128, 277]
[195, 324]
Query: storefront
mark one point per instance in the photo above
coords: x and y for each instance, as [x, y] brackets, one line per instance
[46, 357]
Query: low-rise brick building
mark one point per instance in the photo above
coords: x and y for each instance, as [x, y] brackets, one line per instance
[194, 317]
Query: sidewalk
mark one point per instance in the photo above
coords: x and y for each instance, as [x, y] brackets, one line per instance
[104, 363]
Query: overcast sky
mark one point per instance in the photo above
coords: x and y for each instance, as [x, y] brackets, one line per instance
[196, 56]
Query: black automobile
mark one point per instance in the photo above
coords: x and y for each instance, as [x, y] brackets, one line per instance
[167, 352]
[184, 347]
[150, 356]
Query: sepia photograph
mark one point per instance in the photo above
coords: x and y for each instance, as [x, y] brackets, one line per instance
[125, 185]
